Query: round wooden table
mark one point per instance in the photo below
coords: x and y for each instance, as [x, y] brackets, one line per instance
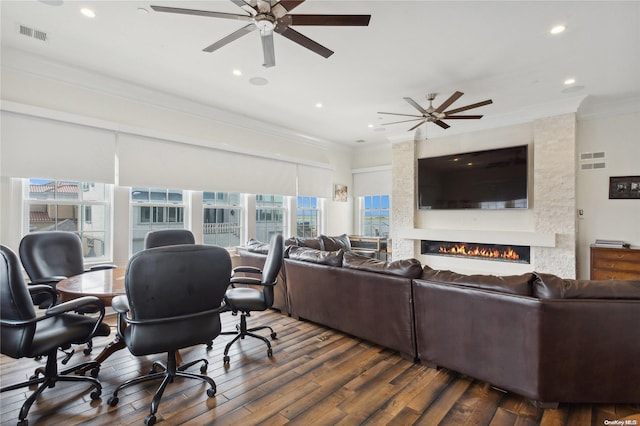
[105, 284]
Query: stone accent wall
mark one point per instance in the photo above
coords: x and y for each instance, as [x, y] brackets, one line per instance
[403, 188]
[554, 193]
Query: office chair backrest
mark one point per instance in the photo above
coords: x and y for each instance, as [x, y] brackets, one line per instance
[272, 265]
[15, 305]
[168, 237]
[51, 253]
[175, 281]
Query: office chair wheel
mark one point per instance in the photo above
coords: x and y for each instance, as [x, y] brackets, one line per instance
[94, 372]
[269, 352]
[203, 369]
[211, 392]
[274, 335]
[95, 394]
[226, 359]
[86, 351]
[24, 422]
[150, 420]
[113, 401]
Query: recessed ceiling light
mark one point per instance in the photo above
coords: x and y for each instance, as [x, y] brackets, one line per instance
[370, 126]
[258, 81]
[558, 29]
[88, 12]
[318, 104]
[569, 81]
[237, 73]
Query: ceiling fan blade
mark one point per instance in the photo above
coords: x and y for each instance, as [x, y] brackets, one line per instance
[202, 13]
[416, 106]
[268, 51]
[442, 124]
[395, 113]
[303, 41]
[403, 121]
[287, 5]
[231, 37]
[337, 20]
[244, 5]
[449, 101]
[462, 117]
[418, 125]
[464, 108]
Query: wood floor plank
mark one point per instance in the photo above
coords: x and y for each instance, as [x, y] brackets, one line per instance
[317, 376]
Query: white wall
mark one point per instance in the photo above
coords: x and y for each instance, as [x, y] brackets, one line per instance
[618, 136]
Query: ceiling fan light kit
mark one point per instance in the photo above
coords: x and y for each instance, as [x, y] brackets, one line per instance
[269, 17]
[436, 115]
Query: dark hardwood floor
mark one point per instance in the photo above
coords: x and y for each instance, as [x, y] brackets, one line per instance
[317, 376]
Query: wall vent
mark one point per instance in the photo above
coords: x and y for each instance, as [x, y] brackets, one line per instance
[33, 33]
[592, 160]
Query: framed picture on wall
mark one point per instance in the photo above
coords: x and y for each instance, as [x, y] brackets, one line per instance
[624, 187]
[340, 193]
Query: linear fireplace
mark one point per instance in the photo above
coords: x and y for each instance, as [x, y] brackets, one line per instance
[499, 252]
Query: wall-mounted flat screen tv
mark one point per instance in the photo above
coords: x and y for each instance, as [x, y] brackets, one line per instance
[490, 179]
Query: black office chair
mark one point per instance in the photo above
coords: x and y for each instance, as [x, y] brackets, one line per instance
[174, 298]
[26, 335]
[51, 256]
[247, 299]
[168, 237]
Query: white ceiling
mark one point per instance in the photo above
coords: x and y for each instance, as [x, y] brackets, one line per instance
[499, 50]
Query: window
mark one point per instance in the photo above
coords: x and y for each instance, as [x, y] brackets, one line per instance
[375, 218]
[155, 208]
[222, 214]
[80, 207]
[270, 216]
[307, 217]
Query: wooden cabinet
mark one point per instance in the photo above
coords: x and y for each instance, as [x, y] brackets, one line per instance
[609, 263]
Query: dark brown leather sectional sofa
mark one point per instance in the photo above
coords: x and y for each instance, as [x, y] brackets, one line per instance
[537, 335]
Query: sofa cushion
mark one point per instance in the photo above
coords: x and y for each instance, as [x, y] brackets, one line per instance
[313, 242]
[308, 254]
[511, 284]
[336, 243]
[408, 268]
[256, 246]
[548, 286]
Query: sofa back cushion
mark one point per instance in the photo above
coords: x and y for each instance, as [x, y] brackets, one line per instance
[256, 246]
[548, 286]
[511, 284]
[336, 243]
[313, 242]
[308, 254]
[408, 268]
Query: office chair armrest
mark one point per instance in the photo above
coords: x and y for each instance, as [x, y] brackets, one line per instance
[48, 280]
[49, 289]
[101, 267]
[245, 280]
[246, 269]
[75, 304]
[120, 304]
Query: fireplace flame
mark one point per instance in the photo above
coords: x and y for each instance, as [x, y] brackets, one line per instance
[477, 251]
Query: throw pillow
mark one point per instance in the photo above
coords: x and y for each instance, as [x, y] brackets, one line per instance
[336, 243]
[322, 257]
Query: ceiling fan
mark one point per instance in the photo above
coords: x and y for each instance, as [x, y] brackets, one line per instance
[268, 16]
[436, 115]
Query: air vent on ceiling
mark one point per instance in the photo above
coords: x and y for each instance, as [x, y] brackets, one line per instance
[33, 33]
[592, 160]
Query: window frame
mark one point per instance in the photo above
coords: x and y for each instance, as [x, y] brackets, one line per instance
[226, 206]
[82, 205]
[364, 210]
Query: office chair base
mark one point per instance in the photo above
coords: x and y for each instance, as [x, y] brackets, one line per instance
[168, 373]
[242, 331]
[50, 376]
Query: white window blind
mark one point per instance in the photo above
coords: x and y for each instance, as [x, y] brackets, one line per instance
[314, 181]
[372, 181]
[153, 162]
[39, 147]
